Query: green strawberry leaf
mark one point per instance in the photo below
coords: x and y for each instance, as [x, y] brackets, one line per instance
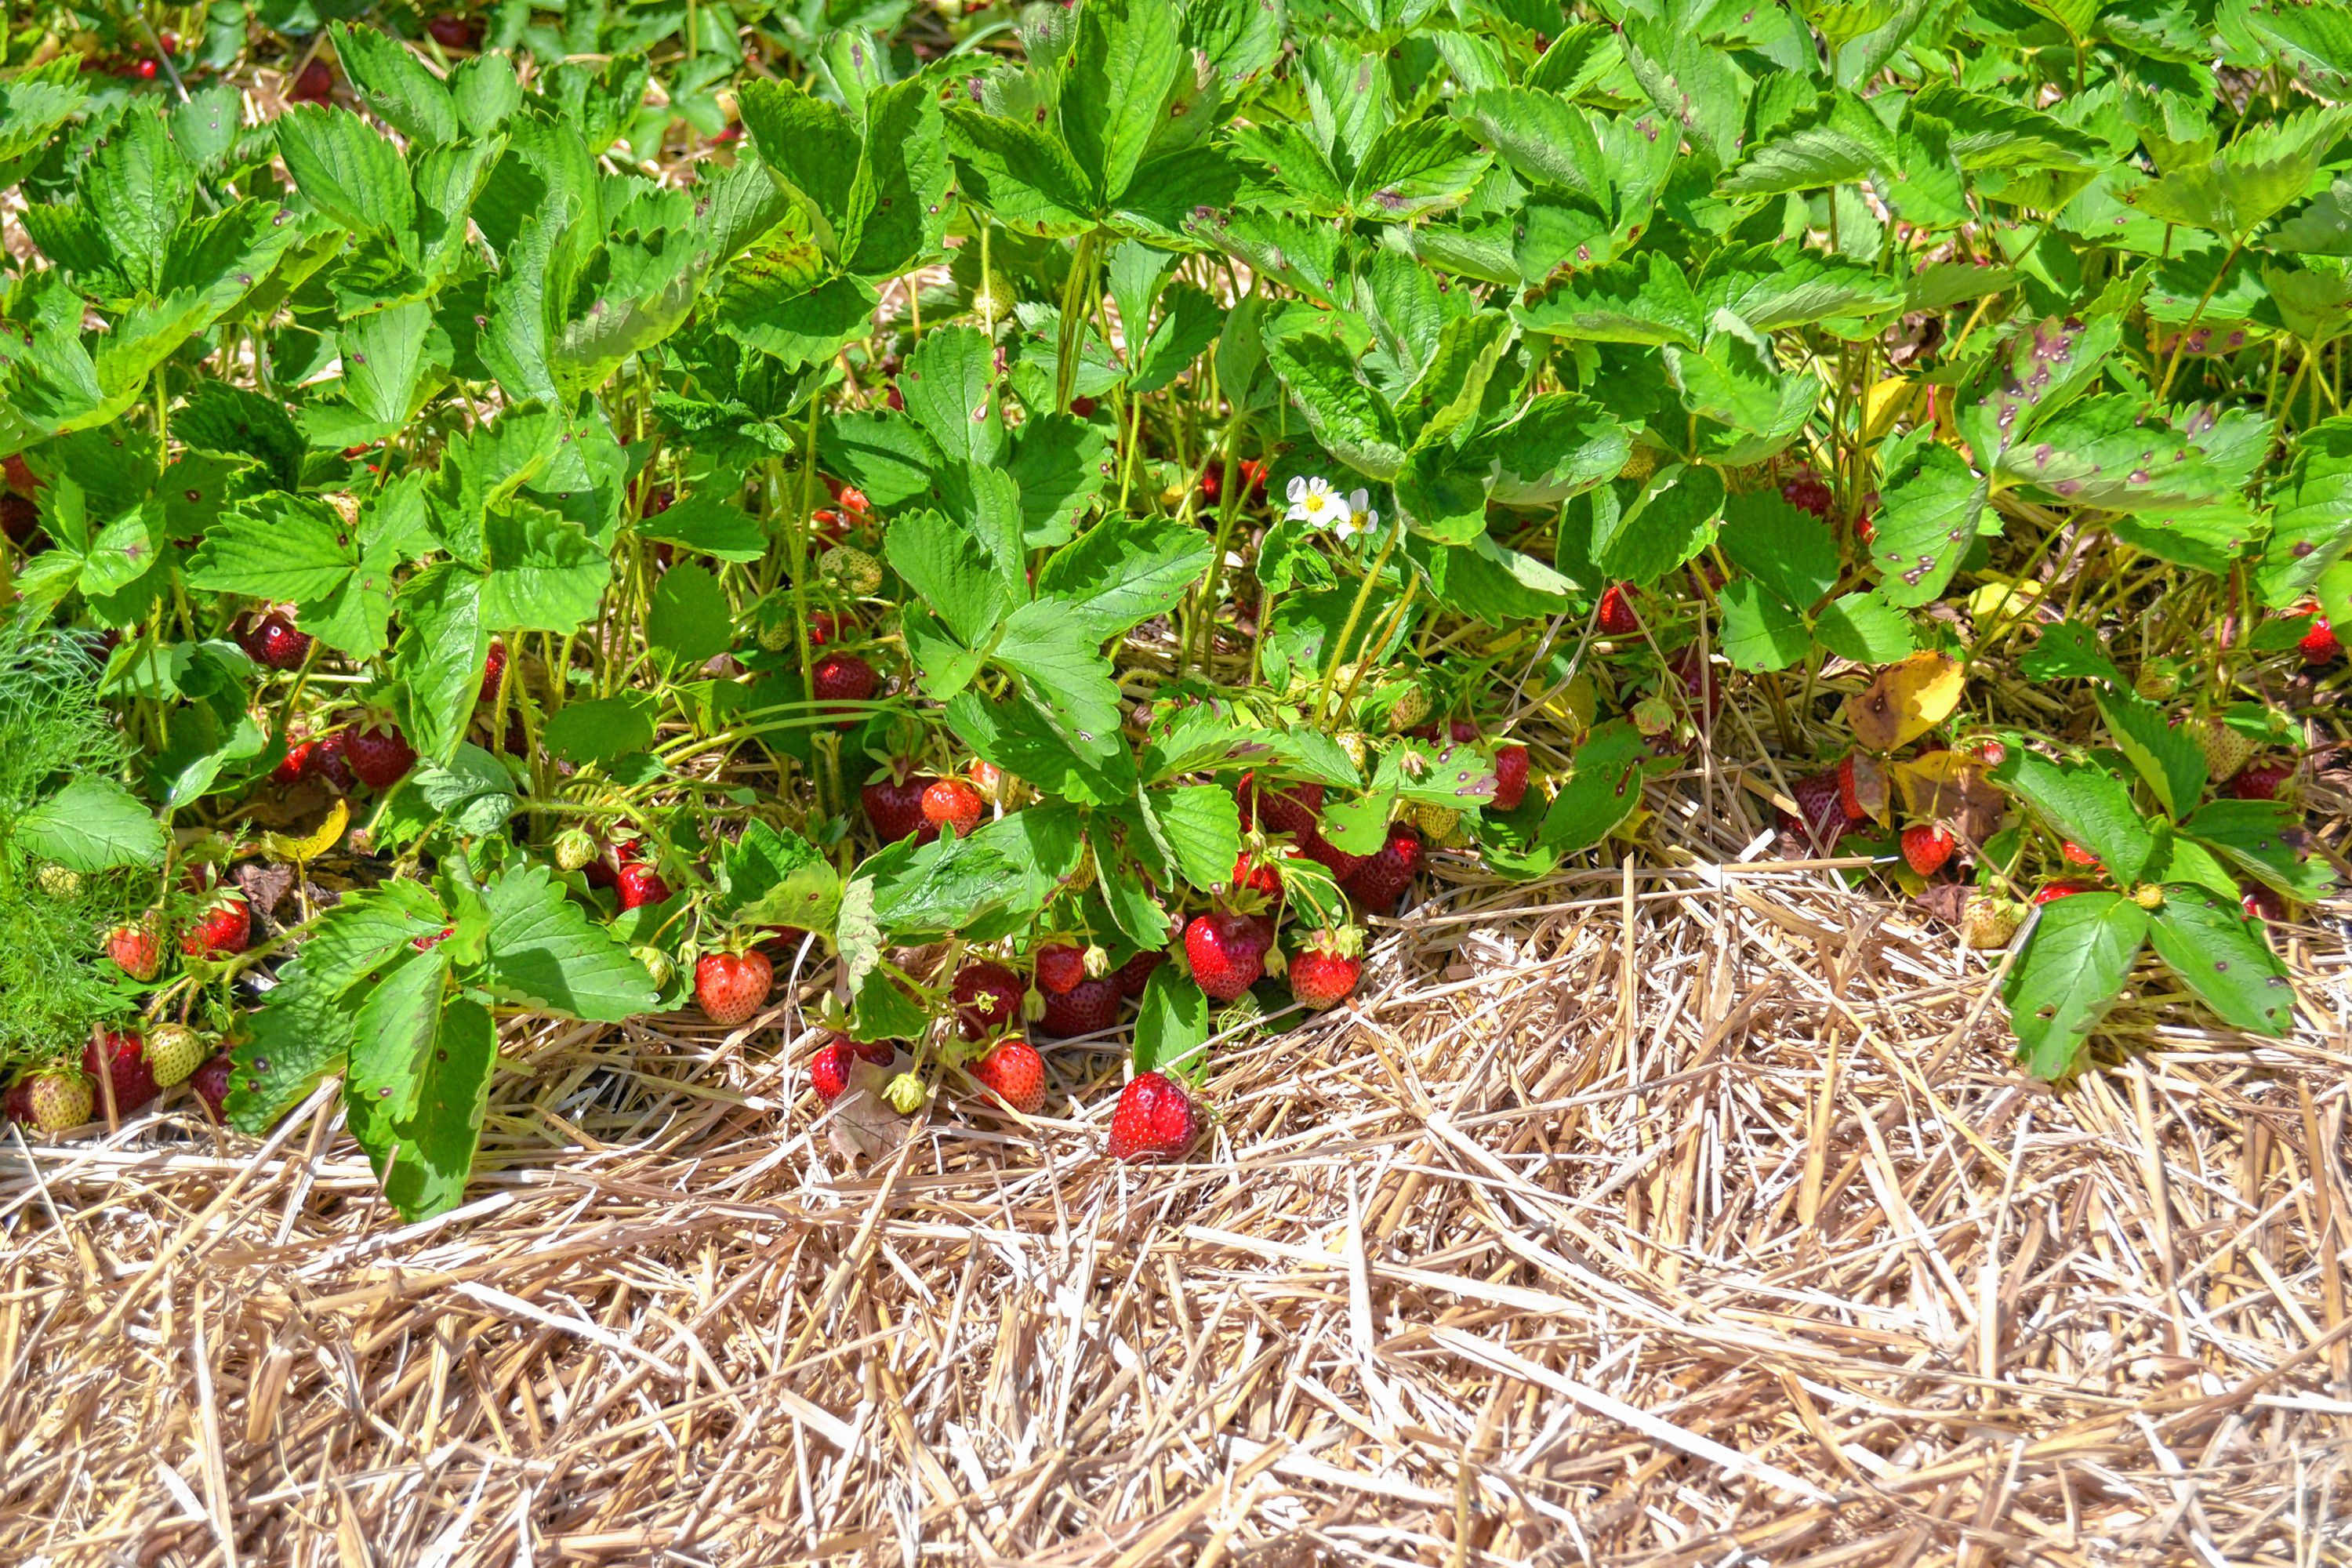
[427, 1159]
[2221, 956]
[1171, 1030]
[2165, 754]
[2084, 803]
[2069, 972]
[543, 953]
[1603, 788]
[92, 825]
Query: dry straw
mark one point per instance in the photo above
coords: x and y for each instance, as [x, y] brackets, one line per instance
[1666, 1216]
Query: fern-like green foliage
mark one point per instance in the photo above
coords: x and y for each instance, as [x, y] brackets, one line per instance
[52, 729]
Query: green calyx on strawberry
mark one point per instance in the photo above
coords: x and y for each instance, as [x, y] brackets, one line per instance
[222, 929]
[1324, 972]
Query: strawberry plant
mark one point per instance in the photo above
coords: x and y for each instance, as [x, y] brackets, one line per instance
[990, 519]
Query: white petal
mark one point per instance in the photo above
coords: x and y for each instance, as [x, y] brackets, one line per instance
[1298, 486]
[1361, 500]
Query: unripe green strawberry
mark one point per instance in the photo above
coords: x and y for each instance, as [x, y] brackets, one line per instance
[575, 849]
[1436, 821]
[1410, 708]
[852, 569]
[2226, 750]
[1355, 743]
[173, 1051]
[2159, 679]
[657, 964]
[775, 636]
[61, 1100]
[905, 1093]
[1988, 922]
[59, 882]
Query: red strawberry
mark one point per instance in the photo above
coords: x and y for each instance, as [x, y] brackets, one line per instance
[988, 999]
[494, 669]
[1259, 877]
[222, 928]
[134, 949]
[1928, 845]
[20, 475]
[894, 806]
[1697, 677]
[830, 1069]
[211, 1083]
[2320, 645]
[1381, 881]
[1060, 967]
[637, 884]
[2055, 890]
[1849, 798]
[1227, 953]
[1155, 1119]
[17, 1104]
[1820, 815]
[330, 759]
[1253, 478]
[2261, 903]
[1084, 408]
[451, 31]
[1136, 974]
[1324, 972]
[1281, 807]
[301, 761]
[379, 757]
[2075, 854]
[1327, 854]
[824, 627]
[2260, 781]
[843, 677]
[315, 84]
[1617, 616]
[1015, 1074]
[125, 1057]
[18, 517]
[1510, 777]
[731, 986]
[274, 642]
[1088, 1007]
[953, 803]
[1808, 491]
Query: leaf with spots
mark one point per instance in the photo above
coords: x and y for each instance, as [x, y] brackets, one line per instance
[1931, 505]
[2264, 839]
[2204, 939]
[2070, 972]
[2110, 452]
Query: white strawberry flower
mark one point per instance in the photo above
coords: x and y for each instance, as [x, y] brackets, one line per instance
[1360, 516]
[1313, 501]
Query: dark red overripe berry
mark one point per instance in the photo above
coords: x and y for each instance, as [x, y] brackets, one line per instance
[1060, 967]
[987, 999]
[1382, 880]
[1280, 805]
[894, 806]
[452, 31]
[1510, 777]
[330, 759]
[316, 83]
[1154, 1120]
[1617, 616]
[273, 641]
[1088, 1007]
[18, 517]
[1808, 491]
[1136, 974]
[380, 757]
[211, 1083]
[2260, 781]
[1084, 408]
[844, 677]
[1820, 815]
[124, 1055]
[637, 884]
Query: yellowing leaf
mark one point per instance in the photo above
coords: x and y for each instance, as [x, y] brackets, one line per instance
[1951, 787]
[285, 847]
[1884, 404]
[1996, 599]
[1906, 700]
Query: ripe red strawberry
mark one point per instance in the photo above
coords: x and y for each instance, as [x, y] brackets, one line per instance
[17, 1105]
[2261, 903]
[1928, 845]
[843, 677]
[274, 642]
[315, 84]
[211, 1083]
[824, 627]
[730, 986]
[894, 806]
[1324, 972]
[1257, 877]
[1381, 881]
[1327, 854]
[1060, 967]
[1281, 807]
[1617, 616]
[1510, 777]
[2075, 854]
[988, 999]
[124, 1058]
[301, 761]
[224, 928]
[1133, 975]
[134, 949]
[1154, 1120]
[1227, 953]
[451, 31]
[1088, 1007]
[2320, 645]
[2260, 781]
[1849, 798]
[330, 759]
[379, 757]
[2055, 890]
[19, 474]
[1820, 815]
[1084, 408]
[953, 803]
[1015, 1074]
[1808, 491]
[830, 1069]
[494, 669]
[637, 884]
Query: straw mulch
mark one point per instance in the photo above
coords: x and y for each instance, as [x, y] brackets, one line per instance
[1667, 1215]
